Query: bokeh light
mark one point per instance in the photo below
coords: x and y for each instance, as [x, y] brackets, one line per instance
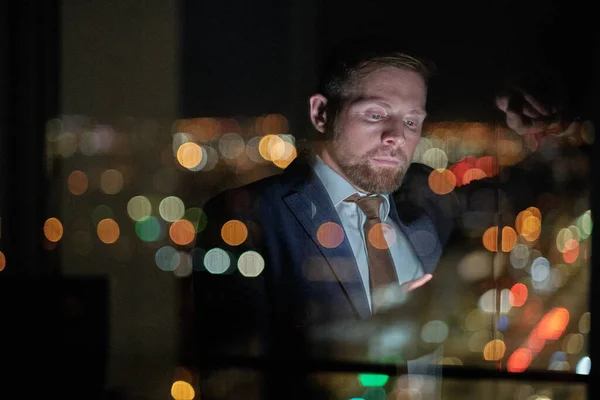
[217, 261]
[584, 366]
[490, 238]
[189, 155]
[102, 212]
[381, 236]
[330, 235]
[197, 217]
[434, 332]
[442, 181]
[139, 208]
[251, 264]
[519, 360]
[171, 208]
[519, 294]
[108, 230]
[234, 232]
[435, 158]
[181, 390]
[584, 322]
[111, 181]
[148, 229]
[167, 258]
[185, 266]
[373, 380]
[494, 350]
[231, 145]
[182, 232]
[77, 182]
[2, 261]
[53, 229]
[271, 147]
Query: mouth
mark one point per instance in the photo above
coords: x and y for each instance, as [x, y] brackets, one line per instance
[389, 161]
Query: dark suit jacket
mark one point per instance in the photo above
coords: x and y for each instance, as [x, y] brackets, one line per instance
[304, 283]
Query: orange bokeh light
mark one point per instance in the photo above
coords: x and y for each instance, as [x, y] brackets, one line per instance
[234, 232]
[2, 261]
[473, 174]
[519, 360]
[490, 238]
[509, 239]
[53, 229]
[330, 235]
[182, 232]
[553, 324]
[442, 181]
[377, 236]
[77, 182]
[108, 230]
[571, 251]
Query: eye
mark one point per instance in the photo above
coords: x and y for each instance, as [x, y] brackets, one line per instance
[374, 116]
[410, 123]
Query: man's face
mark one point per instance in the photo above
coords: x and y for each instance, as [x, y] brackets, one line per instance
[377, 130]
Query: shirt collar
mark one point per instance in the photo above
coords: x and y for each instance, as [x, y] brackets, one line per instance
[339, 188]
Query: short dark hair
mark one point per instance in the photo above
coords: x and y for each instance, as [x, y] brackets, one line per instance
[355, 57]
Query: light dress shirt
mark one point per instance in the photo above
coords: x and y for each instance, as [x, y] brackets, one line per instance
[408, 266]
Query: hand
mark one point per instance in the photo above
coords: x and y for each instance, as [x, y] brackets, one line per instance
[526, 115]
[416, 283]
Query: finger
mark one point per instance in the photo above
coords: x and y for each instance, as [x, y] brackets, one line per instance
[502, 103]
[535, 104]
[530, 111]
[417, 283]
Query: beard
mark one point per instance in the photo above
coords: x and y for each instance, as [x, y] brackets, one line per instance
[361, 173]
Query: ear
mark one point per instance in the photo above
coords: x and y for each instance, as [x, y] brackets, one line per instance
[318, 115]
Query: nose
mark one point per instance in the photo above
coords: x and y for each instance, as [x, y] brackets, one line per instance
[394, 134]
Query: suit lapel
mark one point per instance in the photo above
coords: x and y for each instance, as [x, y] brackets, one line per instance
[311, 205]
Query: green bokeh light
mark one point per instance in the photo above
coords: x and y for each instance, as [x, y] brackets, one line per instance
[102, 212]
[148, 229]
[373, 380]
[197, 217]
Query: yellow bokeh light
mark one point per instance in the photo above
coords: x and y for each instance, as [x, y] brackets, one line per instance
[2, 261]
[53, 229]
[271, 147]
[531, 228]
[189, 155]
[108, 230]
[234, 232]
[442, 181]
[77, 182]
[182, 390]
[436, 158]
[182, 232]
[380, 234]
[330, 235]
[490, 238]
[494, 350]
[288, 156]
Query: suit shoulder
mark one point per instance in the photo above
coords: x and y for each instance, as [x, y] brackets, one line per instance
[243, 197]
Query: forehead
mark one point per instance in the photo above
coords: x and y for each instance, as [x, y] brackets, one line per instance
[392, 84]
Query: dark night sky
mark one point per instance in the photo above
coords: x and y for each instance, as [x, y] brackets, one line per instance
[261, 57]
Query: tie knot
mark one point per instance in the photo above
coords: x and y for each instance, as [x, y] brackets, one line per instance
[368, 204]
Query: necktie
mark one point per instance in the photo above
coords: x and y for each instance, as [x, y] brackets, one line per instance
[382, 273]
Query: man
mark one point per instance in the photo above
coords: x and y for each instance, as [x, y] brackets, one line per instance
[322, 255]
